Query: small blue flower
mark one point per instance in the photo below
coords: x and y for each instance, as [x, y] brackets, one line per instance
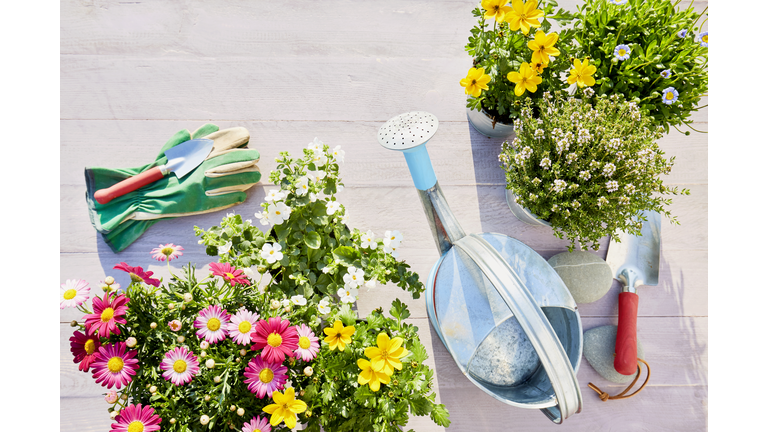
[621, 52]
[703, 39]
[618, 2]
[682, 33]
[666, 73]
[669, 95]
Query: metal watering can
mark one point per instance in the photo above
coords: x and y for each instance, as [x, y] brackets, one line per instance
[500, 309]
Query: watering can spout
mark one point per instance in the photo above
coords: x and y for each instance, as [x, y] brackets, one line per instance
[445, 228]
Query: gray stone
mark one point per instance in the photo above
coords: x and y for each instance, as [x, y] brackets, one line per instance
[587, 276]
[599, 347]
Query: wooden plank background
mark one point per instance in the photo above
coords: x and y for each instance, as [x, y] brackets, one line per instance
[133, 73]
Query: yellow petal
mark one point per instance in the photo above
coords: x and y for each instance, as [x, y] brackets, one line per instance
[464, 82]
[372, 352]
[572, 78]
[518, 6]
[395, 343]
[577, 63]
[269, 409]
[398, 353]
[374, 385]
[363, 364]
[514, 22]
[290, 421]
[396, 364]
[519, 89]
[589, 70]
[382, 340]
[530, 6]
[551, 51]
[365, 376]
[525, 27]
[483, 80]
[378, 364]
[551, 39]
[476, 92]
[514, 77]
[276, 418]
[382, 377]
[530, 86]
[347, 332]
[535, 80]
[540, 38]
[297, 407]
[589, 81]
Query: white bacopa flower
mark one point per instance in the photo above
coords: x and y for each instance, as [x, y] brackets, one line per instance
[320, 159]
[302, 186]
[274, 195]
[345, 218]
[298, 300]
[339, 188]
[585, 175]
[312, 197]
[278, 213]
[370, 283]
[316, 175]
[609, 169]
[559, 185]
[338, 153]
[367, 241]
[332, 207]
[249, 273]
[392, 250]
[392, 238]
[324, 307]
[545, 163]
[271, 252]
[612, 185]
[316, 146]
[263, 217]
[285, 302]
[347, 295]
[224, 248]
[354, 277]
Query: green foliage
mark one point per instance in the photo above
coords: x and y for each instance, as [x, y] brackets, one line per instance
[588, 167]
[650, 28]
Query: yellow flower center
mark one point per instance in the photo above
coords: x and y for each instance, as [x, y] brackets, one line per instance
[179, 366]
[670, 95]
[107, 314]
[135, 277]
[266, 375]
[304, 342]
[229, 275]
[244, 327]
[277, 212]
[115, 364]
[213, 324]
[274, 340]
[705, 38]
[90, 346]
[271, 252]
[136, 426]
[622, 52]
[167, 251]
[70, 294]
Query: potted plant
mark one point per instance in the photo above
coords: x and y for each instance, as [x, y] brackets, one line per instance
[588, 167]
[649, 51]
[516, 55]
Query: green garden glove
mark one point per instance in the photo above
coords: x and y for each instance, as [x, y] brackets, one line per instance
[218, 183]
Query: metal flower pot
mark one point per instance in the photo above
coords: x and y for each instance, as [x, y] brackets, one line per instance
[523, 213]
[482, 123]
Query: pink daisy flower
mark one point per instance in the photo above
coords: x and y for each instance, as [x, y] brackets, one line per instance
[263, 377]
[257, 424]
[107, 313]
[212, 323]
[74, 292]
[175, 325]
[180, 366]
[309, 344]
[229, 273]
[242, 325]
[136, 418]
[138, 274]
[169, 252]
[114, 366]
[277, 338]
[84, 349]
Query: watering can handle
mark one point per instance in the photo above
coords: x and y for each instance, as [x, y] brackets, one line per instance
[547, 345]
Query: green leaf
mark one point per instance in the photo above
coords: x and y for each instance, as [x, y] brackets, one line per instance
[420, 406]
[418, 351]
[399, 310]
[347, 315]
[312, 240]
[440, 415]
[346, 255]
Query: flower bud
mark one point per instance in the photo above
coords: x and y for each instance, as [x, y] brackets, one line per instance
[109, 280]
[216, 379]
[153, 325]
[207, 398]
[204, 419]
[204, 345]
[232, 408]
[308, 371]
[210, 364]
[130, 342]
[124, 396]
[203, 354]
[274, 304]
[243, 352]
[73, 323]
[171, 306]
[180, 339]
[153, 389]
[240, 412]
[173, 421]
[187, 297]
[114, 413]
[111, 397]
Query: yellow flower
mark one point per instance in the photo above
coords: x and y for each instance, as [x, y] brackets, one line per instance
[386, 357]
[524, 16]
[538, 67]
[285, 408]
[543, 46]
[495, 9]
[369, 376]
[475, 82]
[525, 79]
[581, 73]
[338, 335]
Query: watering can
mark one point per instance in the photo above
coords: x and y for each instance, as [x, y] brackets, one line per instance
[500, 309]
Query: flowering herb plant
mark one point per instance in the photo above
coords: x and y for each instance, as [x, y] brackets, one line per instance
[589, 167]
[517, 56]
[649, 51]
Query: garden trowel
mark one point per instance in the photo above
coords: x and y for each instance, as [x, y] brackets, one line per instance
[182, 159]
[634, 261]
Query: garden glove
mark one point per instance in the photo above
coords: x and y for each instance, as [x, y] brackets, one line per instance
[217, 183]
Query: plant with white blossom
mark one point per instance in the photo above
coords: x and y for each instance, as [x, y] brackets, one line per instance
[589, 167]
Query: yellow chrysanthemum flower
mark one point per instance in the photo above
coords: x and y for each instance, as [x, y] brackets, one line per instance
[525, 79]
[495, 9]
[524, 16]
[338, 335]
[581, 74]
[285, 408]
[386, 356]
[369, 376]
[475, 82]
[543, 46]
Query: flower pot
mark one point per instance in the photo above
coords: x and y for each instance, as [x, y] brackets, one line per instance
[523, 213]
[482, 123]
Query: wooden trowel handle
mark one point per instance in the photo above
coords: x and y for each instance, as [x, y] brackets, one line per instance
[103, 196]
[626, 335]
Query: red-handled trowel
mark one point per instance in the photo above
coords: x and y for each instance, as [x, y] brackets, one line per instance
[182, 159]
[634, 261]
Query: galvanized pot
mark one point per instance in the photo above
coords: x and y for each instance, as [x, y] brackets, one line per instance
[482, 123]
[523, 213]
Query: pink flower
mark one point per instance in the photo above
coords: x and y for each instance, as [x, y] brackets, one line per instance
[242, 325]
[175, 325]
[135, 418]
[74, 293]
[309, 344]
[138, 274]
[114, 366]
[169, 252]
[107, 313]
[257, 424]
[84, 349]
[212, 323]
[180, 366]
[111, 397]
[263, 377]
[277, 338]
[229, 273]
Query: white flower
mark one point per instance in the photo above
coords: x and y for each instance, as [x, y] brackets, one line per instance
[545, 163]
[367, 241]
[302, 186]
[274, 304]
[204, 419]
[559, 185]
[630, 188]
[571, 158]
[615, 143]
[316, 175]
[354, 277]
[601, 201]
[320, 159]
[536, 181]
[391, 250]
[298, 300]
[249, 273]
[316, 146]
[344, 218]
[240, 412]
[332, 207]
[347, 295]
[612, 185]
[312, 197]
[338, 153]
[225, 248]
[263, 217]
[575, 204]
[538, 134]
[585, 175]
[285, 302]
[609, 169]
[324, 307]
[339, 188]
[279, 213]
[392, 238]
[624, 200]
[274, 195]
[370, 283]
[271, 252]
